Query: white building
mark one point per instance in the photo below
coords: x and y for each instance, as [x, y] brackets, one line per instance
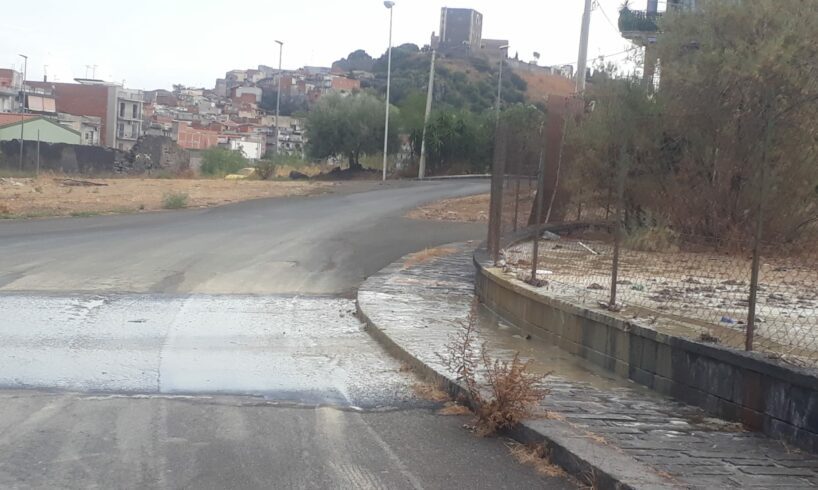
[252, 150]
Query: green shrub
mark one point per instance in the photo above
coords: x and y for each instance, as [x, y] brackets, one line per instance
[265, 169]
[219, 162]
[175, 200]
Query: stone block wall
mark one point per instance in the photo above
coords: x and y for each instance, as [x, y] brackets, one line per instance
[777, 399]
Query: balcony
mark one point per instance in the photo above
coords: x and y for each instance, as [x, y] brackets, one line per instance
[633, 21]
[132, 95]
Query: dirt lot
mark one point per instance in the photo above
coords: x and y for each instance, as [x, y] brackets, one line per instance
[53, 196]
[687, 293]
[470, 209]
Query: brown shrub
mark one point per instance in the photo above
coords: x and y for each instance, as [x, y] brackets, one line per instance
[507, 393]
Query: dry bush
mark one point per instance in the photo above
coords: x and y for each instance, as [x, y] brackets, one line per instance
[506, 393]
[430, 392]
[658, 238]
[515, 393]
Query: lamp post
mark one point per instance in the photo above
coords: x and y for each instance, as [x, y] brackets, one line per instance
[503, 48]
[278, 92]
[23, 109]
[388, 4]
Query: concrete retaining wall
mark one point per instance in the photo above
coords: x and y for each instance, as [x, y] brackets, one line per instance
[779, 400]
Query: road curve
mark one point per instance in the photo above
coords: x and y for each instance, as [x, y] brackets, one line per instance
[323, 244]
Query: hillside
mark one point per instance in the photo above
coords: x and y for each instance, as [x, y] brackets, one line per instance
[460, 84]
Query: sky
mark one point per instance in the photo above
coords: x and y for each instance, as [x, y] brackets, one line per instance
[152, 44]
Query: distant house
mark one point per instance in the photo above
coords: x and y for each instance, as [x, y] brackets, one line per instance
[11, 82]
[34, 128]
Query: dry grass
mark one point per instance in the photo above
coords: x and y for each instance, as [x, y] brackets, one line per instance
[470, 209]
[426, 255]
[537, 457]
[454, 408]
[430, 392]
[542, 85]
[46, 196]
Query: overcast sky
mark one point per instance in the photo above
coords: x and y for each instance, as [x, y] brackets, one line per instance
[156, 43]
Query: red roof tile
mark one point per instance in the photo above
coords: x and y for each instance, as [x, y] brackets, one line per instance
[11, 117]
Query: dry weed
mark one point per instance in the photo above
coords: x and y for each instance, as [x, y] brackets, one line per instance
[536, 456]
[508, 391]
[430, 392]
[454, 408]
[405, 367]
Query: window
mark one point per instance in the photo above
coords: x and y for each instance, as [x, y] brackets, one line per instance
[136, 111]
[121, 109]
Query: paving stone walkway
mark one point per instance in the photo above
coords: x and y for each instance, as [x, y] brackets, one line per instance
[419, 303]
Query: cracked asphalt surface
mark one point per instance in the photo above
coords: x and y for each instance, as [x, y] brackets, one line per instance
[216, 348]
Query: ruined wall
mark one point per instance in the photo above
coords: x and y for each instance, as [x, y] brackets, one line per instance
[159, 153]
[151, 153]
[61, 157]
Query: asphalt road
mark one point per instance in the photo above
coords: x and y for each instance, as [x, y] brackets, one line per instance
[217, 348]
[307, 245]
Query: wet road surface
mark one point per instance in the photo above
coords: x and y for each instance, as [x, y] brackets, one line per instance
[308, 349]
[217, 349]
[114, 441]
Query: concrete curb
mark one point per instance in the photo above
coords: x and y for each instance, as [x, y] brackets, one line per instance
[592, 462]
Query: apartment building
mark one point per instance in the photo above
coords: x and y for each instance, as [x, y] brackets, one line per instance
[11, 82]
[119, 109]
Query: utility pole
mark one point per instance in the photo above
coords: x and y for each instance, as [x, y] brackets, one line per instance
[583, 47]
[23, 110]
[388, 4]
[429, 96]
[278, 92]
[500, 80]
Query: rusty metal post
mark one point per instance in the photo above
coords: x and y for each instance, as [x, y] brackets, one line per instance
[751, 309]
[620, 203]
[496, 201]
[516, 198]
[538, 214]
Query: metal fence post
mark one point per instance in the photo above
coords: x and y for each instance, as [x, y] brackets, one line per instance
[620, 198]
[538, 214]
[496, 200]
[762, 198]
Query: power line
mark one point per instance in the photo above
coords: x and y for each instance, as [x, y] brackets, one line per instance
[628, 50]
[604, 14]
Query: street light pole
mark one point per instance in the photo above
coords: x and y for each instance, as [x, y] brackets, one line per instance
[429, 96]
[583, 47]
[388, 4]
[500, 79]
[278, 92]
[23, 110]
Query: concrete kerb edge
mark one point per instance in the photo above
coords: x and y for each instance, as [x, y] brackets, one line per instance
[605, 467]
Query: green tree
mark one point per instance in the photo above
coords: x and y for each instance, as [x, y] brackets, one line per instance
[459, 141]
[350, 126]
[412, 113]
[736, 111]
[221, 161]
[729, 72]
